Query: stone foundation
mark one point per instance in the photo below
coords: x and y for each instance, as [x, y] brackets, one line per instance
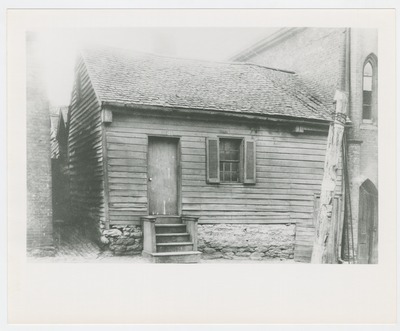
[123, 240]
[246, 241]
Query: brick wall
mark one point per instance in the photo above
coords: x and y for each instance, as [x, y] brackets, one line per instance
[39, 217]
[363, 43]
[316, 54]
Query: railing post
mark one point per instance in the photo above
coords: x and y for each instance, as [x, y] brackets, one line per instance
[149, 234]
[191, 225]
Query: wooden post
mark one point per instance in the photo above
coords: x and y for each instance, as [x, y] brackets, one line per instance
[149, 235]
[191, 226]
[323, 225]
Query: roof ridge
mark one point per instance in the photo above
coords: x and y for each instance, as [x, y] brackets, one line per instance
[103, 47]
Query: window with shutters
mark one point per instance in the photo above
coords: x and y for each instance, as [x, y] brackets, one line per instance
[231, 160]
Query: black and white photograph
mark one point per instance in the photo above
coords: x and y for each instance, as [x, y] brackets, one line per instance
[201, 166]
[191, 145]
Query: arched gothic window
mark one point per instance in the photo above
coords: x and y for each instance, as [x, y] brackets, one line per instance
[369, 109]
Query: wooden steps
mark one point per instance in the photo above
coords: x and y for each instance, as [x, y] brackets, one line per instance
[173, 242]
[172, 237]
[170, 228]
[175, 257]
[175, 247]
[169, 220]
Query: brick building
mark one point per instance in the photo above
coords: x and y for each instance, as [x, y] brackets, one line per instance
[345, 59]
[39, 199]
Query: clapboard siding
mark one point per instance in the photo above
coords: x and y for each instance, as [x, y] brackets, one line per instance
[289, 171]
[85, 152]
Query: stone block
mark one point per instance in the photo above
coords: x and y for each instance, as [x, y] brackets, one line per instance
[209, 250]
[135, 247]
[243, 254]
[256, 256]
[112, 233]
[228, 255]
[216, 255]
[104, 240]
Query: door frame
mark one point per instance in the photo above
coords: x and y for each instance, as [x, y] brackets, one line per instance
[373, 224]
[179, 171]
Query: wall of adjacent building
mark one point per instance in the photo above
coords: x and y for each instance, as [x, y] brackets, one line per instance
[318, 56]
[363, 145]
[85, 156]
[39, 199]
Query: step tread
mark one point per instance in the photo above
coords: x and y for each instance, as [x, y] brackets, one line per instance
[176, 253]
[172, 234]
[175, 243]
[169, 225]
[165, 216]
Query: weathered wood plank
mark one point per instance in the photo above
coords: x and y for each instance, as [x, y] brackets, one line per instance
[129, 180]
[85, 154]
[289, 170]
[127, 169]
[126, 154]
[228, 127]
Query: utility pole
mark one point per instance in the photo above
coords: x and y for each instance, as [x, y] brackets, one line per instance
[324, 226]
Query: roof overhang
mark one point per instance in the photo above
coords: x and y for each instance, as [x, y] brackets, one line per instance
[264, 118]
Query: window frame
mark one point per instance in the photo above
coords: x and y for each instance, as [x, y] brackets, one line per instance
[240, 161]
[247, 168]
[373, 104]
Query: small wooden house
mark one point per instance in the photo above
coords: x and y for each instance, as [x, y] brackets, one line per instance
[176, 157]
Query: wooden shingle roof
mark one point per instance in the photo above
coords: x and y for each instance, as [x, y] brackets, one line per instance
[130, 78]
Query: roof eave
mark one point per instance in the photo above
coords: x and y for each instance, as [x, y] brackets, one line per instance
[234, 114]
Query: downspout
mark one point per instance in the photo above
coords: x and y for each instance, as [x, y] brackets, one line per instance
[346, 81]
[347, 69]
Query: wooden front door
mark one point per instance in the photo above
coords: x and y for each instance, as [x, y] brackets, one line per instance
[368, 224]
[162, 175]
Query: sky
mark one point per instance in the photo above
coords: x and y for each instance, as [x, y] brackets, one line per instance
[58, 48]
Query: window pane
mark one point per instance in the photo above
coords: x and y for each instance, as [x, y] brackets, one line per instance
[229, 159]
[226, 176]
[367, 85]
[367, 97]
[366, 112]
[234, 177]
[368, 69]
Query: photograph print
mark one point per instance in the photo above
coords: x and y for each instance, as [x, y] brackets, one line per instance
[202, 145]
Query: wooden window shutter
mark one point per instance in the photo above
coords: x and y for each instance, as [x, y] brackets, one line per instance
[249, 168]
[212, 160]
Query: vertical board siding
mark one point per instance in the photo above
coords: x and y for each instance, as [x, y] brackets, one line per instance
[85, 153]
[289, 171]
